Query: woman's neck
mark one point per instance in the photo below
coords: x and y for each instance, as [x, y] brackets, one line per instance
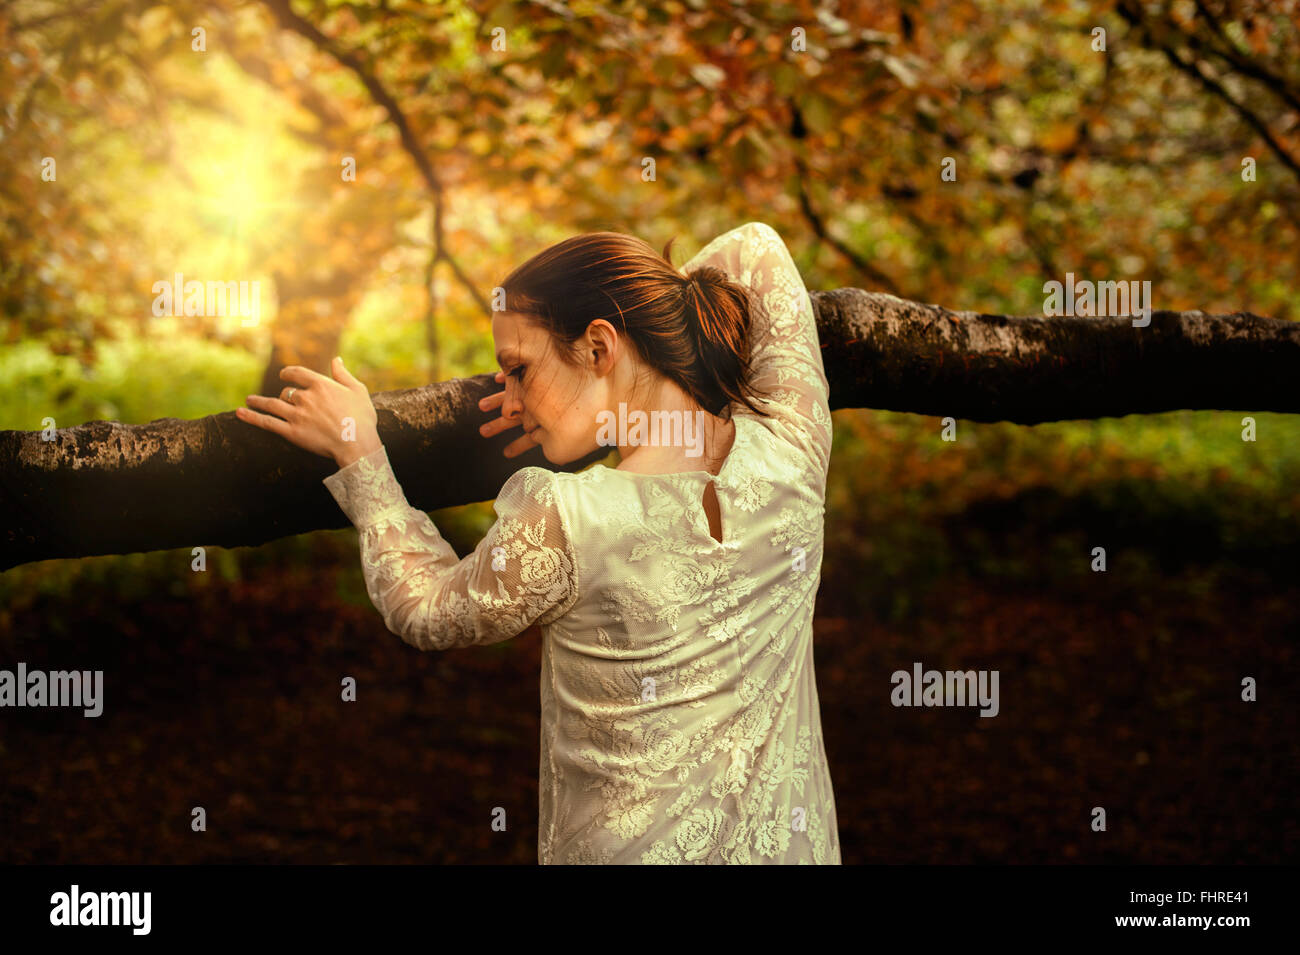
[674, 435]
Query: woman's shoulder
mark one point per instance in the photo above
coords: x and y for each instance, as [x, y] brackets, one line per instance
[569, 493]
[530, 481]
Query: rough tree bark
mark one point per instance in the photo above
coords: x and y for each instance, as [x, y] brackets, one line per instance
[105, 487]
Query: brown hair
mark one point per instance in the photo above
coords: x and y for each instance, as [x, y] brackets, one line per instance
[693, 329]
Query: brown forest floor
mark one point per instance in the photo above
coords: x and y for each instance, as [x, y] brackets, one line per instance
[230, 700]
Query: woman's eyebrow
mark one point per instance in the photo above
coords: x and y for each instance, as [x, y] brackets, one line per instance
[503, 355]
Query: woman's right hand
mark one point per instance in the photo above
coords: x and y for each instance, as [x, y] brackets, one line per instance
[520, 444]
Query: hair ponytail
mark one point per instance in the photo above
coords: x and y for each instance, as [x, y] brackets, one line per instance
[717, 316]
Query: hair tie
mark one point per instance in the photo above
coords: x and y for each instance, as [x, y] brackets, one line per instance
[698, 279]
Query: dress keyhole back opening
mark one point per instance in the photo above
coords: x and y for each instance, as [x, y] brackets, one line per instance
[713, 511]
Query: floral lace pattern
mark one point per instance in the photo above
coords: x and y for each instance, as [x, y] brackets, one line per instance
[520, 573]
[680, 719]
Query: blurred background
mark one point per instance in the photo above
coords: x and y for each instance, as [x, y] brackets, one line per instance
[377, 166]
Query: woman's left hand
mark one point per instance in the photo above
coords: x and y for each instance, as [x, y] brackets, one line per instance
[520, 444]
[316, 413]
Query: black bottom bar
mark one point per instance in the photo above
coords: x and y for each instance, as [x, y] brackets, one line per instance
[243, 903]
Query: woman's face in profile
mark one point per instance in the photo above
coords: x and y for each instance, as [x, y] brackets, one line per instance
[555, 403]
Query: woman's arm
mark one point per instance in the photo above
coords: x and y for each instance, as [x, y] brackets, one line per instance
[522, 572]
[785, 354]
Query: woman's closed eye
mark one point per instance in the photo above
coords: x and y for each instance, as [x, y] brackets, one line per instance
[518, 373]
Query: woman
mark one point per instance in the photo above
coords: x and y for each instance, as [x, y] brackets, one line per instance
[674, 593]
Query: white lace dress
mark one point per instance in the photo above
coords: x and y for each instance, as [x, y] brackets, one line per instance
[680, 720]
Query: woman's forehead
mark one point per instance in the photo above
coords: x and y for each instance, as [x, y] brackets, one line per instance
[515, 323]
[511, 334]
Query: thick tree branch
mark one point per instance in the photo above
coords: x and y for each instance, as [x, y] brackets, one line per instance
[891, 354]
[105, 487]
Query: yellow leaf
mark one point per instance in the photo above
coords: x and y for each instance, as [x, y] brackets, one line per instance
[1059, 137]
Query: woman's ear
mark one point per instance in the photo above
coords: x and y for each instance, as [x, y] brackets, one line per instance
[601, 347]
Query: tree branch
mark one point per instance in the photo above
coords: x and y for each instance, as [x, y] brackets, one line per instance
[106, 488]
[819, 228]
[289, 20]
[1190, 67]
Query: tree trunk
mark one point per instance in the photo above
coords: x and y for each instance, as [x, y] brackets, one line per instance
[105, 487]
[308, 323]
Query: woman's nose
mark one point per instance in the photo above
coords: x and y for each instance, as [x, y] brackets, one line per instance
[513, 406]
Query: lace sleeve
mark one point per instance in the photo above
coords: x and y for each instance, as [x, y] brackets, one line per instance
[786, 355]
[521, 572]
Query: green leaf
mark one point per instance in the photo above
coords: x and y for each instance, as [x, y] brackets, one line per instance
[817, 113]
[787, 80]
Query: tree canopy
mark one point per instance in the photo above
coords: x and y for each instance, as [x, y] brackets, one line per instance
[211, 137]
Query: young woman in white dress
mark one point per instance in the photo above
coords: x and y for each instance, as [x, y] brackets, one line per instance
[674, 593]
